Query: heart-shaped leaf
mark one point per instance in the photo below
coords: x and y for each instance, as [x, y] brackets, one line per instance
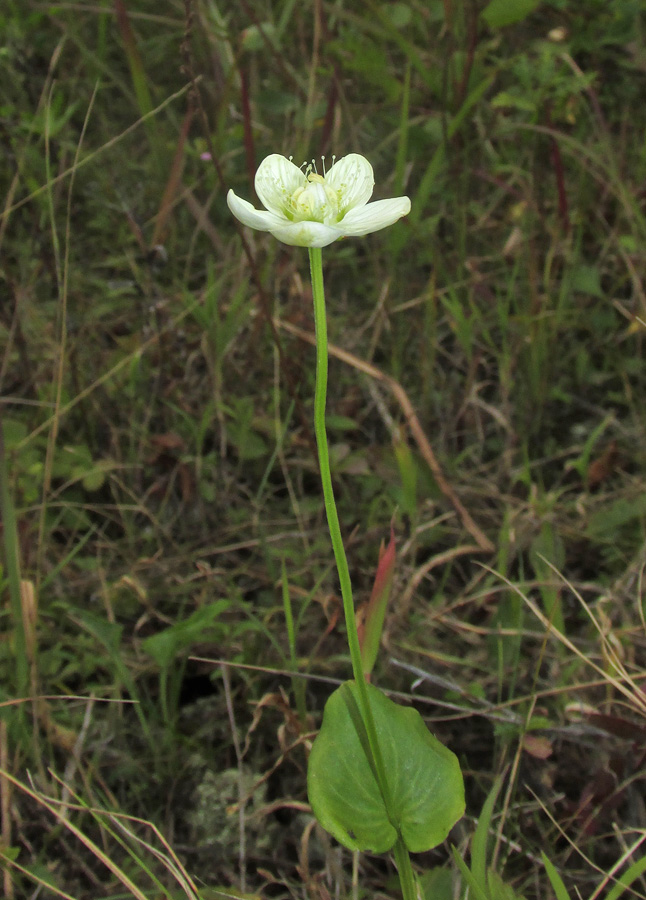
[423, 776]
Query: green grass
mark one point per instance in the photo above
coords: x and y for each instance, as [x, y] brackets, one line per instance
[156, 409]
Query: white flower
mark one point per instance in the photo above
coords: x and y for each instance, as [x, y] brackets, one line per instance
[305, 209]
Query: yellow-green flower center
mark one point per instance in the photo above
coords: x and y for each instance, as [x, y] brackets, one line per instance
[315, 201]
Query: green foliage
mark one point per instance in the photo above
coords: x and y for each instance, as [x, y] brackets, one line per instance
[547, 554]
[437, 884]
[498, 13]
[244, 431]
[484, 882]
[167, 648]
[423, 776]
[633, 872]
[167, 644]
[555, 879]
[109, 636]
[178, 468]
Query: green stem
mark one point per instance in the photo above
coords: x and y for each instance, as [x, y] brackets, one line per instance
[320, 323]
[402, 858]
[405, 870]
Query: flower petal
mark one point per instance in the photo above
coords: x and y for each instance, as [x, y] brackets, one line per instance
[306, 234]
[259, 219]
[276, 180]
[353, 177]
[373, 216]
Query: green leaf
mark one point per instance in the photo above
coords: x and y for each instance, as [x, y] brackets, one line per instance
[478, 891]
[108, 633]
[94, 479]
[481, 836]
[500, 889]
[628, 243]
[164, 646]
[255, 37]
[437, 884]
[408, 474]
[587, 280]
[555, 879]
[243, 431]
[340, 423]
[499, 13]
[508, 100]
[424, 777]
[631, 874]
[15, 431]
[604, 524]
[399, 14]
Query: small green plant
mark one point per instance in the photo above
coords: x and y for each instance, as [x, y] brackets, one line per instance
[377, 778]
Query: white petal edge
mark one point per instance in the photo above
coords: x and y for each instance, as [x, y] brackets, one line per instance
[276, 180]
[306, 234]
[353, 177]
[260, 219]
[373, 216]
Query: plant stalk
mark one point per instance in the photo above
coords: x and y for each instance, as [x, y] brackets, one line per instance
[405, 870]
[402, 858]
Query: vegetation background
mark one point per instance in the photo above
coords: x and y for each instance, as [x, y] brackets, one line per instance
[156, 373]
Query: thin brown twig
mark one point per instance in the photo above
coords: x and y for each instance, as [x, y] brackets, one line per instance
[173, 183]
[440, 559]
[5, 807]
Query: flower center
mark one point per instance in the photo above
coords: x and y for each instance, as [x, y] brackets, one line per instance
[315, 201]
